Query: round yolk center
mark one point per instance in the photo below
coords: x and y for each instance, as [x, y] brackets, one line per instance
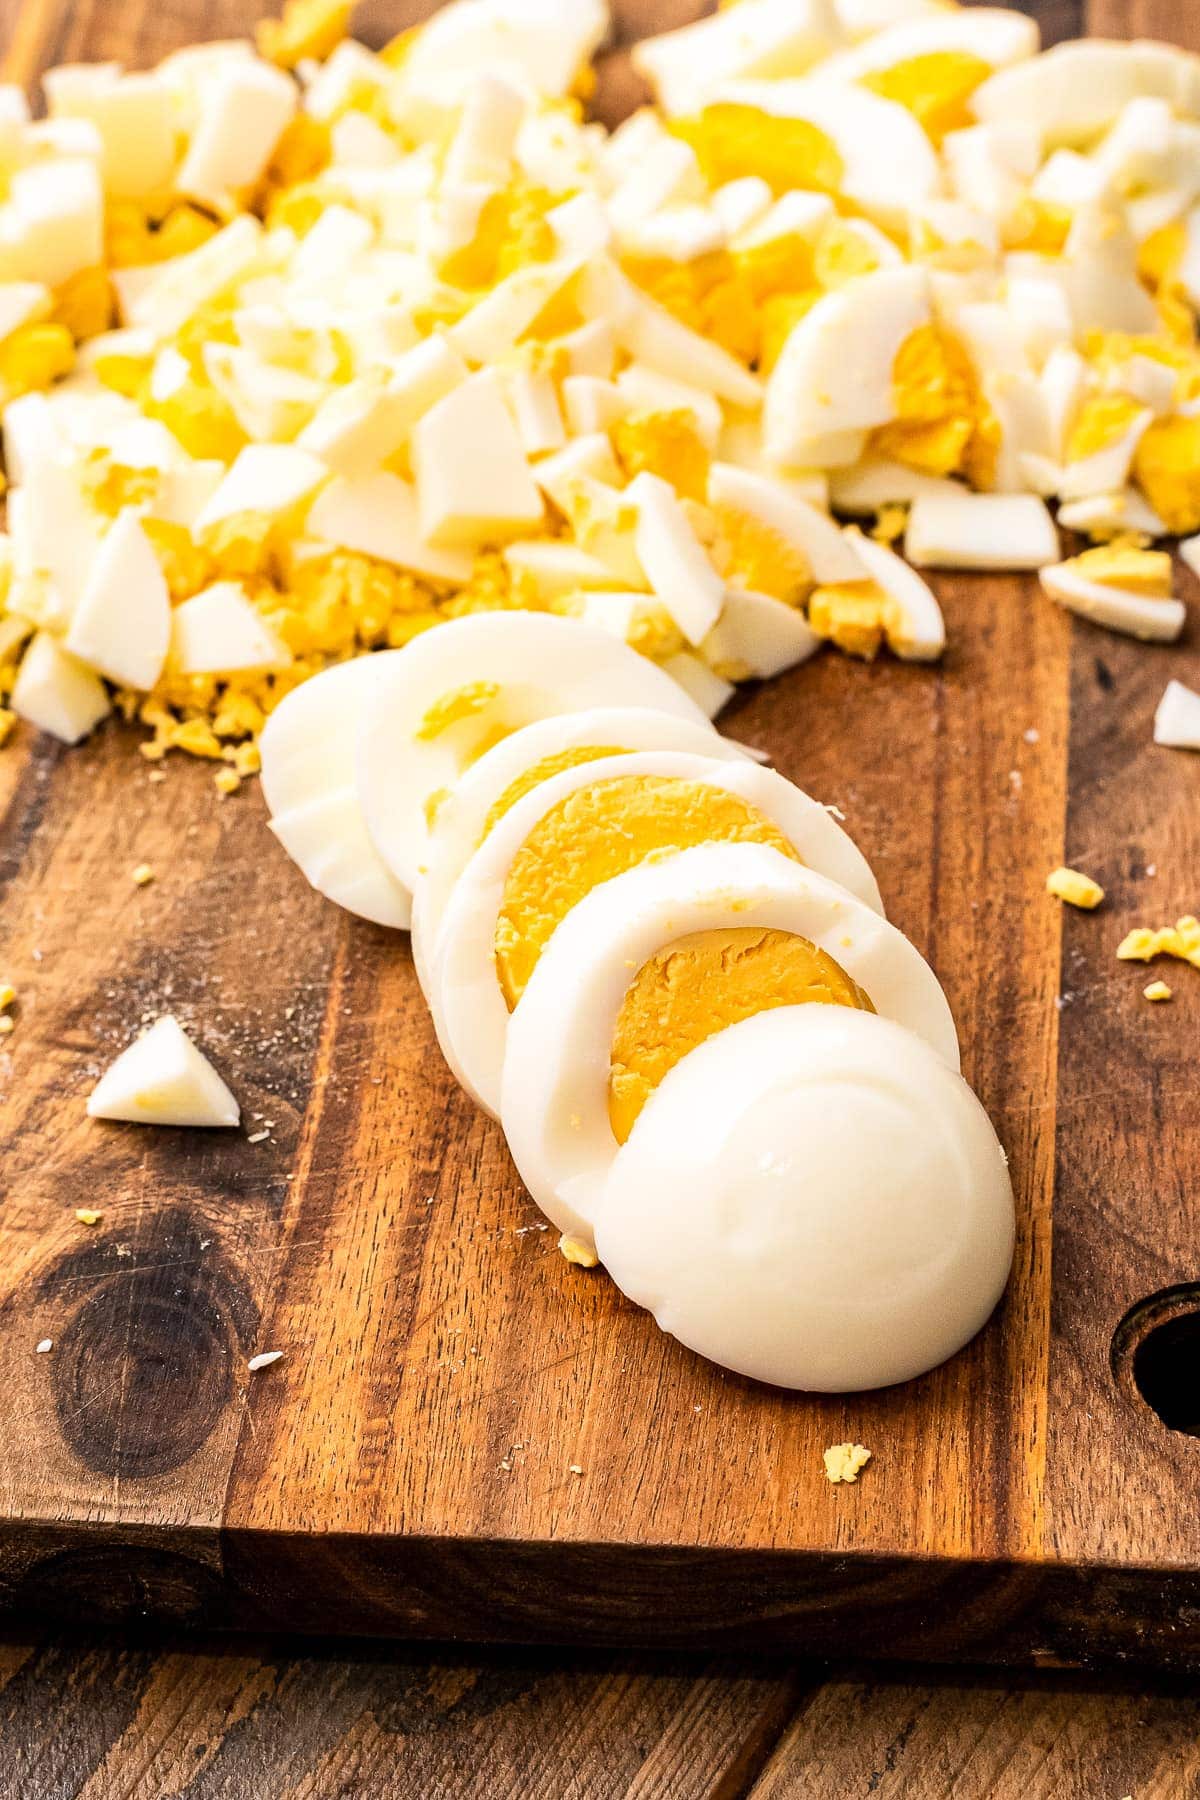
[598, 832]
[544, 770]
[697, 986]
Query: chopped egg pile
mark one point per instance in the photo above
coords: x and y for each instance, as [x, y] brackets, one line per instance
[607, 899]
[305, 349]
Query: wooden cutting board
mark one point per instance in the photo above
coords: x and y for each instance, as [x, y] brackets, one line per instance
[467, 1437]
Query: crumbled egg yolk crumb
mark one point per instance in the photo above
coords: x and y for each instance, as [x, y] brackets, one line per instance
[844, 1461]
[851, 614]
[8, 994]
[697, 986]
[1157, 990]
[577, 1251]
[87, 1215]
[143, 875]
[597, 832]
[1181, 940]
[1075, 888]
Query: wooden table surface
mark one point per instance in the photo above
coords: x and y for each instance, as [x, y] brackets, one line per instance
[102, 1716]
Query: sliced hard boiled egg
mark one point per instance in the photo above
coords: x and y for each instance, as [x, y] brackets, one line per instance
[456, 690]
[681, 577]
[776, 504]
[710, 692]
[814, 1199]
[1121, 589]
[162, 1079]
[490, 787]
[888, 165]
[607, 1011]
[835, 372]
[912, 618]
[307, 749]
[584, 828]
[980, 531]
[1177, 719]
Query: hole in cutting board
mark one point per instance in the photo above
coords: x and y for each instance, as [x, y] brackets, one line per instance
[1156, 1348]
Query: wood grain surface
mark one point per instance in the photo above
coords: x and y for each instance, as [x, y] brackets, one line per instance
[87, 1718]
[408, 1466]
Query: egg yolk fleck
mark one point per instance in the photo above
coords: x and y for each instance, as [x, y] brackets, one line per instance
[935, 88]
[731, 140]
[1166, 466]
[452, 708]
[697, 986]
[598, 832]
[545, 769]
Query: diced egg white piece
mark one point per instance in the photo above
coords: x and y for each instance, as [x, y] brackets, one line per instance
[1075, 90]
[21, 301]
[377, 516]
[989, 166]
[708, 690]
[449, 221]
[482, 147]
[674, 560]
[362, 424]
[590, 405]
[530, 665]
[1043, 312]
[741, 203]
[802, 1156]
[31, 436]
[356, 141]
[1112, 514]
[554, 1093]
[462, 982]
[495, 323]
[915, 629]
[1069, 180]
[174, 290]
[122, 624]
[888, 162]
[666, 175]
[777, 505]
[757, 637]
[1104, 471]
[134, 117]
[580, 225]
[219, 632]
[1135, 615]
[591, 349]
[1099, 272]
[186, 489]
[980, 531]
[554, 567]
[57, 693]
[57, 530]
[469, 811]
[162, 1079]
[473, 483]
[991, 33]
[242, 116]
[1177, 719]
[1188, 273]
[269, 479]
[532, 399]
[877, 482]
[307, 748]
[1064, 381]
[53, 224]
[796, 214]
[587, 458]
[335, 242]
[685, 68]
[679, 234]
[834, 373]
[538, 45]
[1189, 550]
[351, 72]
[270, 403]
[1145, 379]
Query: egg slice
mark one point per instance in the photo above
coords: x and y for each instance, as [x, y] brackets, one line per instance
[887, 164]
[578, 830]
[307, 749]
[1125, 590]
[758, 37]
[835, 372]
[814, 1199]
[519, 763]
[653, 962]
[455, 691]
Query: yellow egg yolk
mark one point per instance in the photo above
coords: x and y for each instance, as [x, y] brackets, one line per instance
[599, 832]
[1128, 567]
[707, 294]
[453, 707]
[1166, 466]
[545, 769]
[731, 140]
[748, 554]
[935, 88]
[666, 444]
[1102, 420]
[697, 986]
[943, 425]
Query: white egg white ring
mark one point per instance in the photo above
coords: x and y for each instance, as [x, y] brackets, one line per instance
[307, 749]
[461, 823]
[464, 995]
[813, 1198]
[544, 664]
[554, 1094]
